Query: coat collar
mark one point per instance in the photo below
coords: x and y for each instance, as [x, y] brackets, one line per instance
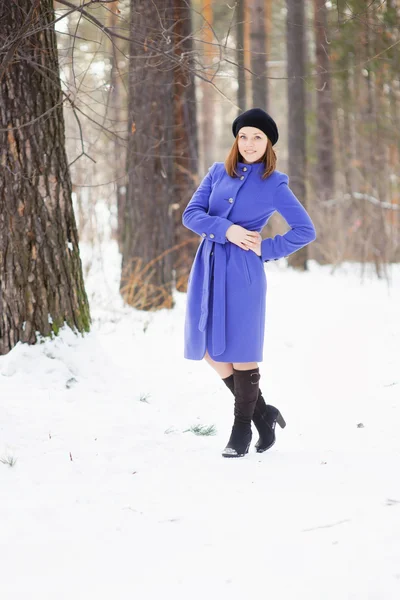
[250, 166]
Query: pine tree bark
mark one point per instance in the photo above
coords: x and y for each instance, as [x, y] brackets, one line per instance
[41, 282]
[240, 58]
[325, 147]
[247, 54]
[296, 69]
[207, 92]
[258, 54]
[324, 168]
[146, 281]
[117, 112]
[186, 141]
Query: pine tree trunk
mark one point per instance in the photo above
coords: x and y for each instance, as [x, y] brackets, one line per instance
[117, 113]
[186, 142]
[325, 147]
[41, 283]
[296, 69]
[258, 54]
[247, 77]
[324, 168]
[240, 16]
[146, 281]
[207, 92]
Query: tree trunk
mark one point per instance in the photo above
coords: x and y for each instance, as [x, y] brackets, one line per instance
[323, 168]
[240, 15]
[258, 54]
[186, 142]
[207, 96]
[117, 114]
[325, 147]
[146, 281]
[268, 29]
[247, 77]
[296, 69]
[41, 283]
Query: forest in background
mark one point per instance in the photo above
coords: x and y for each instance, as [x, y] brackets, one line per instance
[351, 89]
[148, 91]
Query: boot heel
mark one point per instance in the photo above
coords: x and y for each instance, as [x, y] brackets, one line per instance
[281, 421]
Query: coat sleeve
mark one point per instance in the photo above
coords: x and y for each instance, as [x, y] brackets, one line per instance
[196, 217]
[302, 230]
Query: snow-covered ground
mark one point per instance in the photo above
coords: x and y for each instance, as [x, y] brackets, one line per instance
[112, 497]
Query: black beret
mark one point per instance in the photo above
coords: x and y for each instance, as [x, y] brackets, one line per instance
[257, 117]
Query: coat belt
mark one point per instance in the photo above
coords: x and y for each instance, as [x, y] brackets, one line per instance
[219, 291]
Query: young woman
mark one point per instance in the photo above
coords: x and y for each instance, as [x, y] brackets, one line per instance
[225, 312]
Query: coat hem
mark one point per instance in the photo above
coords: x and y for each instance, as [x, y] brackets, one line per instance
[225, 360]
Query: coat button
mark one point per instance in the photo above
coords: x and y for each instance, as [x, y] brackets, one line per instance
[212, 235]
[231, 200]
[242, 177]
[244, 168]
[203, 234]
[211, 253]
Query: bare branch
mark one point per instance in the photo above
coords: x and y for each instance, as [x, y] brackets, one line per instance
[111, 34]
[17, 41]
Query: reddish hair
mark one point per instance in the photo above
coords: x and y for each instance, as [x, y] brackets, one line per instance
[234, 156]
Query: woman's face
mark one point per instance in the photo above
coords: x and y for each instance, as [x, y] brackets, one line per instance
[252, 143]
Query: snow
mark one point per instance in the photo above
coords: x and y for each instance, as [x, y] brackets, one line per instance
[112, 496]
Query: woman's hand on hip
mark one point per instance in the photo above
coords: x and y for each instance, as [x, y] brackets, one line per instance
[245, 239]
[256, 246]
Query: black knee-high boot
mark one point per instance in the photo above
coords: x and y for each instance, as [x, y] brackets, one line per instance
[246, 394]
[265, 418]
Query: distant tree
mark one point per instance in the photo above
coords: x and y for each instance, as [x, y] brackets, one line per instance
[207, 96]
[323, 171]
[296, 70]
[240, 58]
[325, 167]
[186, 148]
[41, 282]
[117, 112]
[147, 236]
[258, 53]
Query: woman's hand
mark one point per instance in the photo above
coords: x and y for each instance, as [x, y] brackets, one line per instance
[256, 246]
[245, 239]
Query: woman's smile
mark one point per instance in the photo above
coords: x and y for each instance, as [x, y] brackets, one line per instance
[258, 141]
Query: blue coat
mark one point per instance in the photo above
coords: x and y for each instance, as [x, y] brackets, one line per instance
[225, 307]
